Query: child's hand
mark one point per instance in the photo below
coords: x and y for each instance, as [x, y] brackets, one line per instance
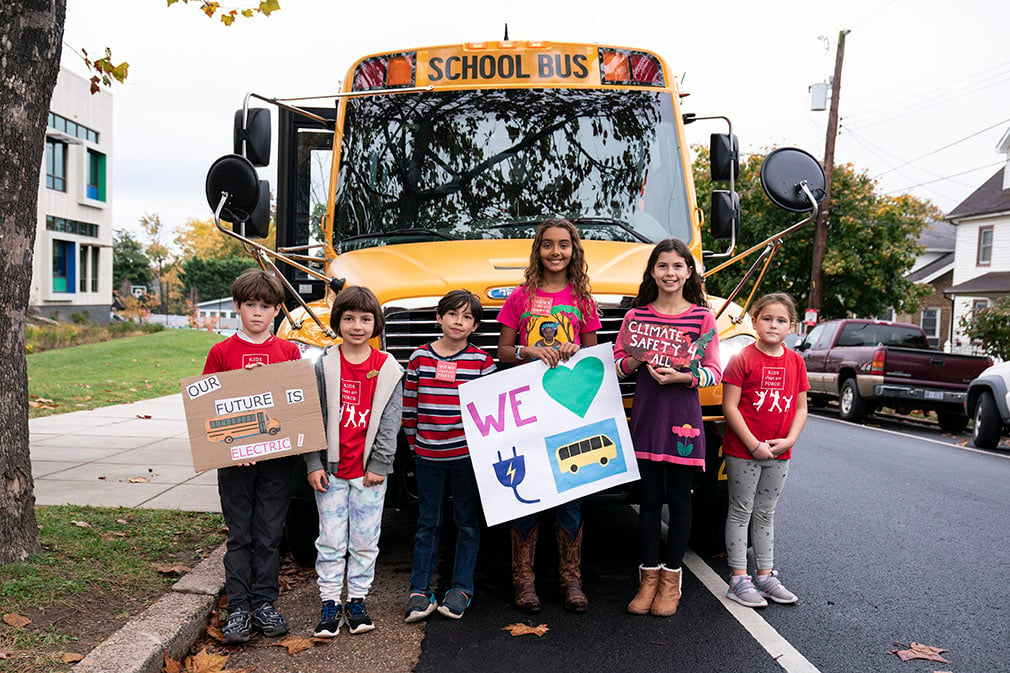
[567, 350]
[779, 446]
[666, 375]
[763, 451]
[549, 356]
[253, 365]
[319, 481]
[372, 479]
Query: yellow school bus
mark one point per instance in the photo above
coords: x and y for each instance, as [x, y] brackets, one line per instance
[436, 164]
[244, 424]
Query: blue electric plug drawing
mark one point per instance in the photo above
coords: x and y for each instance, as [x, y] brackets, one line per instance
[511, 472]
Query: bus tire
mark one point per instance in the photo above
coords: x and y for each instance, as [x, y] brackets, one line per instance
[228, 439]
[574, 468]
[273, 431]
[604, 460]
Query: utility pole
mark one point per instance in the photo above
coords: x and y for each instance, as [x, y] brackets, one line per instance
[821, 230]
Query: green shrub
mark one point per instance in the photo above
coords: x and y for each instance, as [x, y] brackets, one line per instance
[40, 338]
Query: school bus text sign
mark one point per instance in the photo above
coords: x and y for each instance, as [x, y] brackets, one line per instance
[249, 415]
[560, 64]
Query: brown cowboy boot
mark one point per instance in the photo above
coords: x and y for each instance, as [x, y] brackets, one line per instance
[569, 560]
[523, 550]
[648, 582]
[668, 594]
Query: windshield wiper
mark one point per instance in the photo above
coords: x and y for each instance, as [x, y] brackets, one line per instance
[607, 221]
[393, 233]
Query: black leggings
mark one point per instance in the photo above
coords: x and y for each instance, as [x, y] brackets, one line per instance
[674, 482]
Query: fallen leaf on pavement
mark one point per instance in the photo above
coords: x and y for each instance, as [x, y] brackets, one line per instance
[14, 619]
[205, 662]
[215, 633]
[139, 480]
[526, 629]
[920, 651]
[172, 570]
[171, 665]
[295, 644]
[321, 641]
[81, 524]
[71, 657]
[144, 416]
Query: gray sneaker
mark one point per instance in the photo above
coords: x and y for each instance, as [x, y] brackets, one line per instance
[454, 604]
[419, 606]
[237, 627]
[770, 587]
[742, 590]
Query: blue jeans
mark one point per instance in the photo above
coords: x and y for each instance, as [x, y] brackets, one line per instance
[431, 477]
[568, 516]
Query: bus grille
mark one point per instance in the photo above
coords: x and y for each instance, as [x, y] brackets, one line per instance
[407, 329]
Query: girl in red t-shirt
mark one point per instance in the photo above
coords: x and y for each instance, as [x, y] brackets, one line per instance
[765, 403]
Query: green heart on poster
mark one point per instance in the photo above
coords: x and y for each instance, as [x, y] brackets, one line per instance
[575, 388]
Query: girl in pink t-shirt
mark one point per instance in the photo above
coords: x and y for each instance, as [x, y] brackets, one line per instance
[765, 403]
[553, 309]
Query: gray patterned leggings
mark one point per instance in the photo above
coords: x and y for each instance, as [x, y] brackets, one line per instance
[754, 488]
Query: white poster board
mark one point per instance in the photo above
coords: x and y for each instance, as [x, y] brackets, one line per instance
[540, 437]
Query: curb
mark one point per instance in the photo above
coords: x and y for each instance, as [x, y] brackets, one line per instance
[171, 625]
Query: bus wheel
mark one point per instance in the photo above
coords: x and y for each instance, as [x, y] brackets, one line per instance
[229, 439]
[274, 431]
[604, 460]
[574, 468]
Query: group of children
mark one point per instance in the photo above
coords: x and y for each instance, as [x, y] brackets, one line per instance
[366, 399]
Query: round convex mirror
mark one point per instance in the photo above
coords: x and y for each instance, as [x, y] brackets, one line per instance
[783, 170]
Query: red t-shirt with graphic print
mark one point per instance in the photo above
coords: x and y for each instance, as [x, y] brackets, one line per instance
[357, 388]
[235, 353]
[769, 387]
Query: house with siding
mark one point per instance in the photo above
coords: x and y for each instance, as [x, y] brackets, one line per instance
[981, 274]
[934, 267]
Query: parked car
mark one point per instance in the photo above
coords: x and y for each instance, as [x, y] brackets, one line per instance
[867, 364]
[989, 404]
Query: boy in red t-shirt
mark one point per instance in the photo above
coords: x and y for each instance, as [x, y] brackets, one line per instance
[254, 496]
[362, 401]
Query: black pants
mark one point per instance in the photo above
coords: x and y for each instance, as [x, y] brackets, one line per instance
[254, 501]
[670, 484]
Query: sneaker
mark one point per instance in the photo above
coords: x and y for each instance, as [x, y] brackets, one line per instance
[771, 587]
[419, 606]
[454, 604]
[269, 621]
[329, 622]
[742, 590]
[355, 616]
[237, 628]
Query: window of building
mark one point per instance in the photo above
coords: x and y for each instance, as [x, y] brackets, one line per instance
[64, 272]
[88, 268]
[64, 225]
[71, 128]
[930, 323]
[979, 305]
[888, 315]
[94, 267]
[56, 165]
[984, 255]
[96, 176]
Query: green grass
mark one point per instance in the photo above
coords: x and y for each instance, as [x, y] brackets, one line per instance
[118, 371]
[107, 566]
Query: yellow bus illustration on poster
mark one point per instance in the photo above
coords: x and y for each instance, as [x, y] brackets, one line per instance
[236, 426]
[596, 449]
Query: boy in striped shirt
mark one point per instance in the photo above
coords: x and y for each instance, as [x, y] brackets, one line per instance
[433, 423]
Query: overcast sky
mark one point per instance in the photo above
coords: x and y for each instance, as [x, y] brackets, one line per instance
[919, 75]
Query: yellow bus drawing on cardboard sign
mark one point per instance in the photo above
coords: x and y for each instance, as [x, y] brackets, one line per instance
[235, 426]
[596, 449]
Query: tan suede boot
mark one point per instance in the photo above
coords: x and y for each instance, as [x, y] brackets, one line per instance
[523, 550]
[569, 562]
[668, 594]
[648, 583]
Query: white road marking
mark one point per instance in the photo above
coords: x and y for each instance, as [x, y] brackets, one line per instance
[1004, 456]
[784, 654]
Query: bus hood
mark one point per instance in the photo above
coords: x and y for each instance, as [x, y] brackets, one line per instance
[488, 268]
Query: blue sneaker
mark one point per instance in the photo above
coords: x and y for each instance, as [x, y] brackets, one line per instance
[356, 618]
[329, 622]
[237, 627]
[419, 606]
[269, 622]
[454, 604]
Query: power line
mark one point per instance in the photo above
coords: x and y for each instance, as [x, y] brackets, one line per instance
[873, 14]
[948, 146]
[868, 145]
[929, 182]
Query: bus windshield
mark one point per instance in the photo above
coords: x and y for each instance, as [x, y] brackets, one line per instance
[494, 163]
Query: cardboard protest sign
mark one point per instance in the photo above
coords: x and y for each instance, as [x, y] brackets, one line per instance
[661, 345]
[541, 437]
[249, 415]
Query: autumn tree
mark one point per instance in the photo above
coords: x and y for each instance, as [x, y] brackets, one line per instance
[31, 35]
[871, 245]
[991, 326]
[129, 262]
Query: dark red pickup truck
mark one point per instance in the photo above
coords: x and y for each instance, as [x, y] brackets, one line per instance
[867, 364]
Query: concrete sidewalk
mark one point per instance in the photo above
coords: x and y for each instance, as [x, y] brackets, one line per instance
[89, 457]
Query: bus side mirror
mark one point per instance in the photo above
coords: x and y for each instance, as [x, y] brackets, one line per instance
[782, 174]
[251, 136]
[233, 178]
[258, 224]
[725, 214]
[724, 156]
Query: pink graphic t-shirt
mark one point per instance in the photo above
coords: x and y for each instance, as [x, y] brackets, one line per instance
[550, 319]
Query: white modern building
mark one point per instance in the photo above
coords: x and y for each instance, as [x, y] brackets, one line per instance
[72, 271]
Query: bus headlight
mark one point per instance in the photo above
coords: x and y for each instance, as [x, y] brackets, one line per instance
[732, 346]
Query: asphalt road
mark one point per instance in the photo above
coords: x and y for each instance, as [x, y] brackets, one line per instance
[885, 536]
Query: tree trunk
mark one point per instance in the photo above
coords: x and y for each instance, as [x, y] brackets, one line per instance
[31, 34]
